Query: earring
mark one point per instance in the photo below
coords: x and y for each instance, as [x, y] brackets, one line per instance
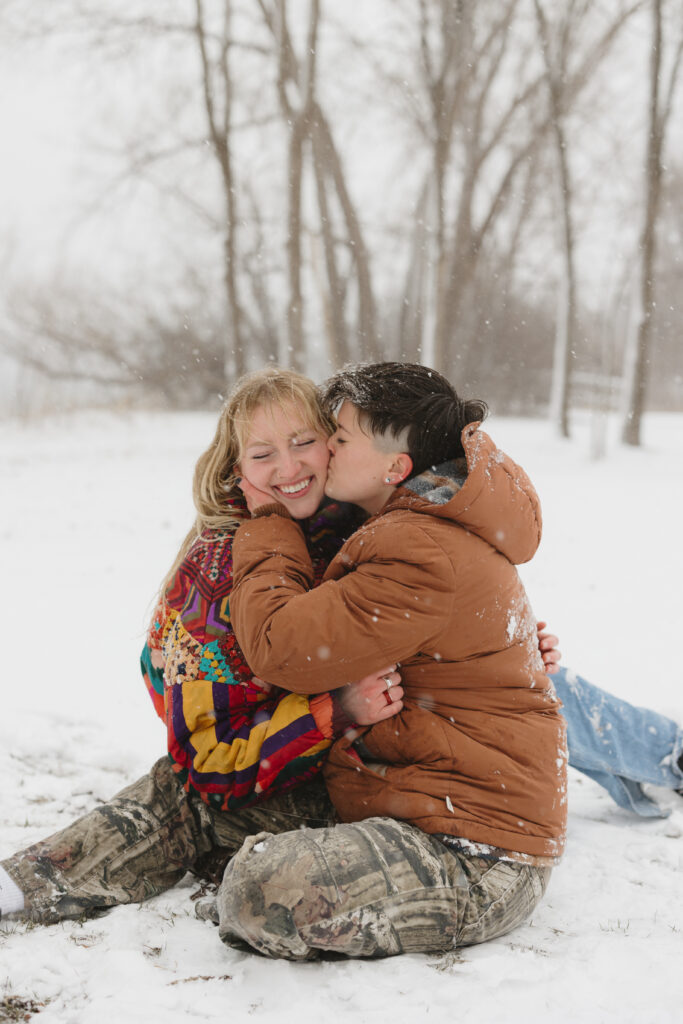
[387, 479]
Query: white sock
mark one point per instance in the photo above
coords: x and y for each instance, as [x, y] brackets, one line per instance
[11, 896]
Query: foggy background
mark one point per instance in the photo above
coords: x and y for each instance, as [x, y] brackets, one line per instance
[192, 188]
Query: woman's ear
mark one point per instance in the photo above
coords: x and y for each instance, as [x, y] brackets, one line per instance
[401, 467]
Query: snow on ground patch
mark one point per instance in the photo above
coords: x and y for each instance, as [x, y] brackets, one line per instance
[93, 510]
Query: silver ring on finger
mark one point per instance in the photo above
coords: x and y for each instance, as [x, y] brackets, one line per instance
[389, 681]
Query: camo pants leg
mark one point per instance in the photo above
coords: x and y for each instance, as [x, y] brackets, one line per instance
[371, 889]
[142, 841]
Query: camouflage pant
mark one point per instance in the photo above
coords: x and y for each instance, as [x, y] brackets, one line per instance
[143, 841]
[376, 888]
[371, 889]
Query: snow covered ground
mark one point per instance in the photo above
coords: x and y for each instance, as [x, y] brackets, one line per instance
[92, 511]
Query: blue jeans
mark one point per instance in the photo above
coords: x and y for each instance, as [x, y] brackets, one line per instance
[618, 745]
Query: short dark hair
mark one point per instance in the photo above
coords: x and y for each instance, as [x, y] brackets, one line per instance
[393, 398]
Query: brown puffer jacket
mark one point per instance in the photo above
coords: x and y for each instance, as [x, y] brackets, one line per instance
[479, 750]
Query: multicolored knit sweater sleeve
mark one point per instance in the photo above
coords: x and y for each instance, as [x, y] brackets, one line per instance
[229, 738]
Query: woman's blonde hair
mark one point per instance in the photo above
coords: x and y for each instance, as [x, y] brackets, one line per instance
[213, 487]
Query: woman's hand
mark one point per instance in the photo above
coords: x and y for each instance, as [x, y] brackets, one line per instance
[547, 645]
[374, 698]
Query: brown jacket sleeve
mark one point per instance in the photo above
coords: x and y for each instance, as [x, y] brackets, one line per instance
[308, 641]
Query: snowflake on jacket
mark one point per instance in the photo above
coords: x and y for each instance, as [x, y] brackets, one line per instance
[231, 739]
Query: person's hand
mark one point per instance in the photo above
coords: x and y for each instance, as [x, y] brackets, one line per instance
[547, 645]
[374, 698]
[255, 498]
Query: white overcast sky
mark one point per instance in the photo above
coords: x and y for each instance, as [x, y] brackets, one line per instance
[52, 104]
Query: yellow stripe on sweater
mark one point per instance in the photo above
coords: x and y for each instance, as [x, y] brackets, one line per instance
[241, 753]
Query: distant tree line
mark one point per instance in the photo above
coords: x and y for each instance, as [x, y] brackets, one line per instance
[409, 183]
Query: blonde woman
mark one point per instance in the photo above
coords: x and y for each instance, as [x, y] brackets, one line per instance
[237, 747]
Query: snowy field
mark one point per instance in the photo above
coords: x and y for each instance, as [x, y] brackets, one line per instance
[93, 509]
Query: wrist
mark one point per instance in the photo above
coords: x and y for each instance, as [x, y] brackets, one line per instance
[273, 508]
[341, 722]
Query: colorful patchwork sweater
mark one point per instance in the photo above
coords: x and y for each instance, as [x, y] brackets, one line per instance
[231, 739]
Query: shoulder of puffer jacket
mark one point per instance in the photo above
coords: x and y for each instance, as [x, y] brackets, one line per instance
[399, 536]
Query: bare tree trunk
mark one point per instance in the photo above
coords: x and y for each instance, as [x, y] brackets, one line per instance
[660, 110]
[446, 84]
[367, 315]
[268, 329]
[234, 361]
[415, 302]
[455, 275]
[300, 127]
[445, 97]
[307, 121]
[460, 107]
[295, 332]
[458, 99]
[334, 299]
[565, 325]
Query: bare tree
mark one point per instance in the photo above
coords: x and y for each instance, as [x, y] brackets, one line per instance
[246, 131]
[482, 138]
[334, 293]
[555, 63]
[360, 262]
[299, 120]
[464, 52]
[217, 91]
[661, 96]
[70, 333]
[310, 139]
[153, 155]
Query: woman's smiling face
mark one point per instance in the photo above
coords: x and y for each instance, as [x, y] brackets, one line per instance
[285, 457]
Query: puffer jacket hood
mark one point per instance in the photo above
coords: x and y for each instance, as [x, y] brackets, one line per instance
[485, 492]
